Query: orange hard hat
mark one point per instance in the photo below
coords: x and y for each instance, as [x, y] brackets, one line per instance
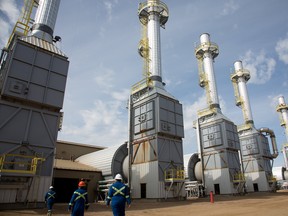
[81, 184]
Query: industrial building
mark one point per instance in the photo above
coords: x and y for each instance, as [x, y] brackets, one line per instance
[33, 79]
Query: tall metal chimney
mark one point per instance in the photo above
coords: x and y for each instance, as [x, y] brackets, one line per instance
[239, 79]
[45, 19]
[282, 108]
[153, 15]
[205, 54]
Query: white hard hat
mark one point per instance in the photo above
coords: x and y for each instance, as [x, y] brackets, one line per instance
[118, 177]
[51, 187]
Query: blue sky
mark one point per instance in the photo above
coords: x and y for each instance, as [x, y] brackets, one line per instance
[101, 39]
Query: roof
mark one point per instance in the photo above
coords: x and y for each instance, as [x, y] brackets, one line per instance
[72, 165]
[42, 44]
[80, 144]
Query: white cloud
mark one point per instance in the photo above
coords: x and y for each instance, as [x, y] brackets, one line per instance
[122, 95]
[4, 26]
[190, 111]
[11, 12]
[282, 49]
[229, 8]
[261, 67]
[104, 78]
[101, 125]
[9, 8]
[109, 8]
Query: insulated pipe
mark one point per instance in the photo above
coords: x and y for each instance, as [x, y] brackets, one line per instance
[45, 19]
[273, 140]
[207, 52]
[242, 76]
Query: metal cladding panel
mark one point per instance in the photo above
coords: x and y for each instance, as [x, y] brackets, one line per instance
[232, 135]
[170, 152]
[109, 161]
[38, 76]
[233, 160]
[145, 151]
[219, 134]
[226, 185]
[169, 113]
[39, 188]
[250, 145]
[8, 195]
[211, 136]
[145, 173]
[28, 132]
[144, 117]
[36, 126]
[265, 150]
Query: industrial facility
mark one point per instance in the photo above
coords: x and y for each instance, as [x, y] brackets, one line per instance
[33, 73]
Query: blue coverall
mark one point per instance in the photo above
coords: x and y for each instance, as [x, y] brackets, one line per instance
[119, 194]
[50, 199]
[79, 202]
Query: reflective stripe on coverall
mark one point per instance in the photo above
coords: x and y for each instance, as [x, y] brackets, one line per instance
[78, 202]
[118, 195]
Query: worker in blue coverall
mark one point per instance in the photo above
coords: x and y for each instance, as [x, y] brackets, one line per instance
[50, 199]
[79, 200]
[118, 195]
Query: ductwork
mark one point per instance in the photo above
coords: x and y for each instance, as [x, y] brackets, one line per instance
[273, 140]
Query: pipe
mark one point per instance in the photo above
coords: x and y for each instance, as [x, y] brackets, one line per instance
[273, 140]
[45, 19]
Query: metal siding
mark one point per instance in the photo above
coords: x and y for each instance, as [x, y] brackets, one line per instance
[8, 195]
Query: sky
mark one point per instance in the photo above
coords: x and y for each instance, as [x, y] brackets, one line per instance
[101, 39]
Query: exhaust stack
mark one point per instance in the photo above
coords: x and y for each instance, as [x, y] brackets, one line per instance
[239, 80]
[153, 14]
[206, 52]
[282, 108]
[45, 19]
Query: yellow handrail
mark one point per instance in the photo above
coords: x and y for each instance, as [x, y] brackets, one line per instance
[16, 163]
[174, 174]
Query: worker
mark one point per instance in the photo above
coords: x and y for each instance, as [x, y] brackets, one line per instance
[118, 195]
[79, 200]
[50, 198]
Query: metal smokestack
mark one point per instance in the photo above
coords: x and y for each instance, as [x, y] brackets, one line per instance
[154, 14]
[282, 108]
[239, 79]
[45, 19]
[205, 53]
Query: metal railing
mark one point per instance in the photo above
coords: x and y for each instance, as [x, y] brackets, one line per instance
[15, 163]
[174, 174]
